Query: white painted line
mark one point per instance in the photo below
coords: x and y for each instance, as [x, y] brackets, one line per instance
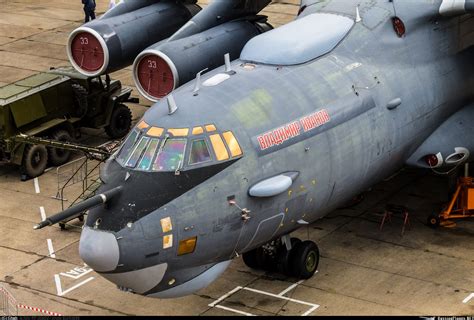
[225, 296]
[310, 311]
[236, 311]
[37, 187]
[59, 289]
[75, 277]
[290, 288]
[469, 297]
[281, 297]
[43, 214]
[77, 286]
[51, 249]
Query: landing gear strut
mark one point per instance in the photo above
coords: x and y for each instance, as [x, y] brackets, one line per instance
[301, 261]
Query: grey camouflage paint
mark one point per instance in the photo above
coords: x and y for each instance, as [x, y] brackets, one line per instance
[367, 138]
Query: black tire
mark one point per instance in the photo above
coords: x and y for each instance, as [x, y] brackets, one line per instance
[265, 261]
[284, 258]
[120, 122]
[250, 259]
[58, 156]
[433, 220]
[80, 100]
[35, 160]
[304, 259]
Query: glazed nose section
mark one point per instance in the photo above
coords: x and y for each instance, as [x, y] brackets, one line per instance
[99, 250]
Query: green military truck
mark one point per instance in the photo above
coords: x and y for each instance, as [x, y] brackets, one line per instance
[52, 106]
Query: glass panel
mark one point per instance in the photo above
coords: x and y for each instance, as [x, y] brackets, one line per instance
[145, 163]
[219, 147]
[198, 130]
[199, 152]
[170, 156]
[127, 147]
[137, 153]
[210, 128]
[142, 125]
[155, 132]
[233, 144]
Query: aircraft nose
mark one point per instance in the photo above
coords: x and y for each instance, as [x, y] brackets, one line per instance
[99, 250]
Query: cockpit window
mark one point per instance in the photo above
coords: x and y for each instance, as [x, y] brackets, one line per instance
[199, 152]
[170, 157]
[219, 147]
[148, 149]
[147, 159]
[137, 153]
[127, 146]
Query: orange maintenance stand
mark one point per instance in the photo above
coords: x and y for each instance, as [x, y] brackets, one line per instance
[461, 205]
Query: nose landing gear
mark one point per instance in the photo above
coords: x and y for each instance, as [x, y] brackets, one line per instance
[301, 261]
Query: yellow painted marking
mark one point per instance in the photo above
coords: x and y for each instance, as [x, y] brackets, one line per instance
[167, 241]
[289, 193]
[166, 225]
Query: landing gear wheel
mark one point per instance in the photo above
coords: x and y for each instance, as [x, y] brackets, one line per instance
[62, 226]
[59, 156]
[35, 160]
[433, 221]
[120, 122]
[265, 261]
[304, 259]
[250, 259]
[284, 258]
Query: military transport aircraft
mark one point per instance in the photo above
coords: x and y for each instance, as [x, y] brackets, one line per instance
[307, 116]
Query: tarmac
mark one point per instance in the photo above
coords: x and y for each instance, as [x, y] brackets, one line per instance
[363, 270]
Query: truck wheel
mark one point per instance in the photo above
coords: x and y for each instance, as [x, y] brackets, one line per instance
[59, 156]
[35, 160]
[120, 122]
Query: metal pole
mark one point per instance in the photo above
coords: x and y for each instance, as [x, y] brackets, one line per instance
[466, 170]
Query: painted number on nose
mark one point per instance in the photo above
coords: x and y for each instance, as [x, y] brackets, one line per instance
[84, 40]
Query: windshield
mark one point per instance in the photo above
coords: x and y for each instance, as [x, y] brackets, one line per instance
[171, 156]
[160, 150]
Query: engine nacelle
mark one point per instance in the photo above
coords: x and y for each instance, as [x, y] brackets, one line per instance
[113, 41]
[163, 67]
[449, 145]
